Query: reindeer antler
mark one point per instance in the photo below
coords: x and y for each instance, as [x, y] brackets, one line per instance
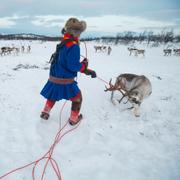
[111, 86]
[118, 88]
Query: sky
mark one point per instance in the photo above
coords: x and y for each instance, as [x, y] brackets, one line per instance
[103, 17]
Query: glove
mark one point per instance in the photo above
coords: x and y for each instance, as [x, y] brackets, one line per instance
[84, 63]
[91, 73]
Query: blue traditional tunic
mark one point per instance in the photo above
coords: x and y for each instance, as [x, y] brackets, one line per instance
[67, 66]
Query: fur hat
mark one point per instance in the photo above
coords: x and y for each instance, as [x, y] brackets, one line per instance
[75, 27]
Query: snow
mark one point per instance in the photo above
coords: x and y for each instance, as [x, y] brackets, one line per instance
[110, 143]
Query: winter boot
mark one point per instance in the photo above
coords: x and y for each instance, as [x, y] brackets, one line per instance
[75, 117]
[44, 115]
[47, 108]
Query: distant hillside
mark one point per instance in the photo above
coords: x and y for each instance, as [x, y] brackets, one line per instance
[27, 37]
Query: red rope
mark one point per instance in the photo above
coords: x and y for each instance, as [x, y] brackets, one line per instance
[103, 80]
[48, 155]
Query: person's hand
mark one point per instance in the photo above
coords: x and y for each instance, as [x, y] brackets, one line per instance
[85, 63]
[91, 73]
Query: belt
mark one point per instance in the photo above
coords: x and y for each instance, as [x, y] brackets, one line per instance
[60, 80]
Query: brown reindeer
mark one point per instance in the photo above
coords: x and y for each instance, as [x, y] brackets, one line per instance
[134, 87]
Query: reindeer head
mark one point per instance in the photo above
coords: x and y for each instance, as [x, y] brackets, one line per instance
[134, 97]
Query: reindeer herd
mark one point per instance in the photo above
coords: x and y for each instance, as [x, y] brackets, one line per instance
[12, 50]
[168, 52]
[7, 50]
[102, 48]
[135, 51]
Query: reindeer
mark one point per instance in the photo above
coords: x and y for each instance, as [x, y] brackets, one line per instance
[132, 50]
[136, 51]
[140, 51]
[22, 49]
[134, 87]
[15, 50]
[6, 51]
[176, 52]
[98, 48]
[167, 52]
[29, 49]
[104, 48]
[109, 50]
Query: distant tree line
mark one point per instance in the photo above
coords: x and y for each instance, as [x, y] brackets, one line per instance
[148, 36]
[127, 37]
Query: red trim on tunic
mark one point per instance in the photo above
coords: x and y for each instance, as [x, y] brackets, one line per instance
[68, 36]
[82, 68]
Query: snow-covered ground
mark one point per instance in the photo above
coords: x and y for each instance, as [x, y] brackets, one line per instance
[110, 143]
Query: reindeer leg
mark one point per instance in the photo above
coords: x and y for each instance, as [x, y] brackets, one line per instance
[126, 101]
[136, 109]
[112, 96]
[119, 100]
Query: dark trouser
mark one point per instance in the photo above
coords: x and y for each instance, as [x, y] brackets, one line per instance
[76, 102]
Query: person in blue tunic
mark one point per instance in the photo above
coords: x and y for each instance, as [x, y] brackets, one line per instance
[61, 83]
